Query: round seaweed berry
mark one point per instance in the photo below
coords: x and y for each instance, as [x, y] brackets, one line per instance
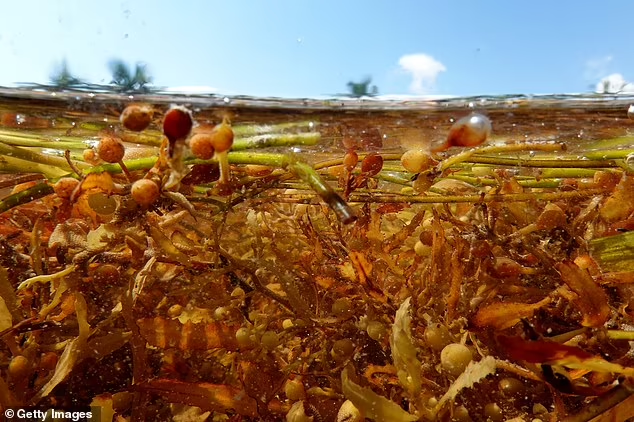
[201, 145]
[145, 192]
[177, 123]
[110, 149]
[137, 117]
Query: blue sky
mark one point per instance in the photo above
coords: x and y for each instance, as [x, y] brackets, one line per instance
[306, 48]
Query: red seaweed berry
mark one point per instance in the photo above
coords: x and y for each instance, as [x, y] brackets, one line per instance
[177, 123]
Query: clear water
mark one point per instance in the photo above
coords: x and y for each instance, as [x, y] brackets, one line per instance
[320, 281]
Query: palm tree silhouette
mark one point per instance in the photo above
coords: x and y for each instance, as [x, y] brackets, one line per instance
[63, 79]
[126, 80]
[362, 89]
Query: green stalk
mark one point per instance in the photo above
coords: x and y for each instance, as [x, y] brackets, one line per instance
[251, 130]
[42, 143]
[494, 149]
[16, 165]
[266, 159]
[36, 157]
[473, 180]
[613, 154]
[149, 137]
[262, 158]
[526, 182]
[393, 168]
[532, 162]
[276, 140]
[31, 194]
[620, 335]
[452, 199]
[324, 190]
[399, 178]
[566, 173]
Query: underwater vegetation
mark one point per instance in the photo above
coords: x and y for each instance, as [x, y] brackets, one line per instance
[170, 266]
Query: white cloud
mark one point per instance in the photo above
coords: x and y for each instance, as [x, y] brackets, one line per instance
[424, 70]
[614, 83]
[597, 68]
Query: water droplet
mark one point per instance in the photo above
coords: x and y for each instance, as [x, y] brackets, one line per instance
[630, 112]
[531, 154]
[311, 125]
[452, 120]
[130, 97]
[19, 118]
[471, 105]
[226, 100]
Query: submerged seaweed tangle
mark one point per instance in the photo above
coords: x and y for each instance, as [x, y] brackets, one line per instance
[179, 265]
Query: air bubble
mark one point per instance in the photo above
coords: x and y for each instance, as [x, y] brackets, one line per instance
[531, 154]
[226, 100]
[311, 125]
